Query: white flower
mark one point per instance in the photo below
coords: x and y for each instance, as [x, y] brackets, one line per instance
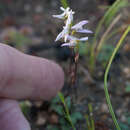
[68, 29]
[68, 15]
[79, 27]
[65, 13]
[84, 31]
[60, 35]
[62, 16]
[70, 44]
[73, 41]
[64, 34]
[65, 10]
[69, 18]
[83, 39]
[72, 38]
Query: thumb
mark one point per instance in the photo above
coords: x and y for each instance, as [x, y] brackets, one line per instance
[28, 77]
[11, 117]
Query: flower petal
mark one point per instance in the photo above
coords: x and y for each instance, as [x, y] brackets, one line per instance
[60, 35]
[84, 31]
[69, 20]
[65, 32]
[66, 37]
[67, 10]
[83, 39]
[72, 38]
[67, 44]
[63, 9]
[60, 16]
[79, 25]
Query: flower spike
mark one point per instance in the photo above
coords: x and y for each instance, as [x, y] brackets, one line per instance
[68, 30]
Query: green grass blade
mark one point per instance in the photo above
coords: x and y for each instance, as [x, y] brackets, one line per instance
[91, 116]
[106, 77]
[67, 114]
[103, 39]
[107, 17]
[88, 122]
[114, 10]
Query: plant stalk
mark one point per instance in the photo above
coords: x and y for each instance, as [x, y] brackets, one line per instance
[106, 77]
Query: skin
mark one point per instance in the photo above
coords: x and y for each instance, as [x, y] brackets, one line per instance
[24, 77]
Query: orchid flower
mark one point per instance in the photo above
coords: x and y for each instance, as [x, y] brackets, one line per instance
[64, 34]
[69, 17]
[74, 40]
[66, 28]
[64, 14]
[79, 27]
[67, 32]
[59, 36]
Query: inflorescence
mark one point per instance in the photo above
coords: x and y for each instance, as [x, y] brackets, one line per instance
[69, 29]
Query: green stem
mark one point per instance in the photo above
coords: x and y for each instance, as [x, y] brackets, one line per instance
[106, 77]
[88, 122]
[67, 114]
[64, 3]
[91, 116]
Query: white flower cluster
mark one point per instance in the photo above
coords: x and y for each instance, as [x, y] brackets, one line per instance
[68, 29]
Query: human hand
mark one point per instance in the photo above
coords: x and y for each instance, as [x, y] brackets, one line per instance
[24, 77]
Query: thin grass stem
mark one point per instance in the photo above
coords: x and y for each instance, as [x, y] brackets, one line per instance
[92, 52]
[67, 114]
[106, 33]
[106, 77]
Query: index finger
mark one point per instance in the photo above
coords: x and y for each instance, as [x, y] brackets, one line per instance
[28, 77]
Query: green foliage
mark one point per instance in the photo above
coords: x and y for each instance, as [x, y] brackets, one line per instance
[127, 89]
[89, 119]
[55, 100]
[67, 114]
[64, 3]
[83, 48]
[64, 124]
[75, 117]
[105, 54]
[124, 126]
[52, 127]
[25, 107]
[19, 39]
[68, 102]
[128, 120]
[106, 19]
[112, 11]
[57, 108]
